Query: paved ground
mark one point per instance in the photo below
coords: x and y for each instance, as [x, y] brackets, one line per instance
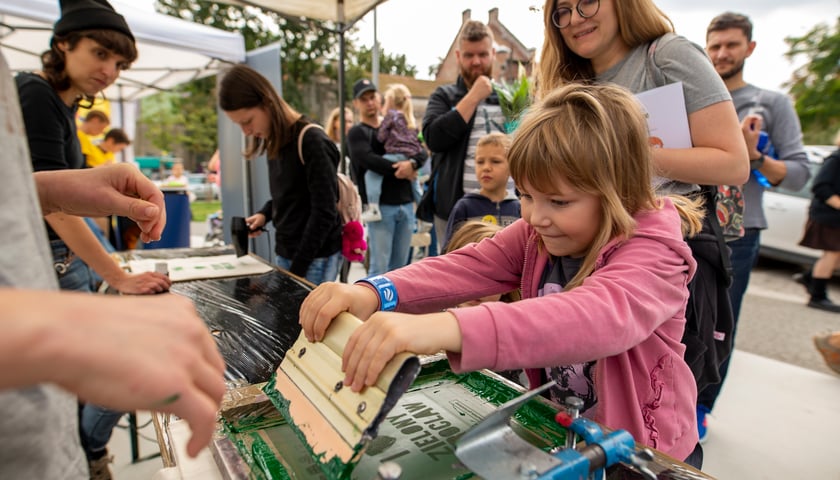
[775, 322]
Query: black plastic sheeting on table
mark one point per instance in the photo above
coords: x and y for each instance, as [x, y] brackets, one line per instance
[254, 319]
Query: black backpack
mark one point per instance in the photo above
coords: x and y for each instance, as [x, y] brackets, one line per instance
[709, 322]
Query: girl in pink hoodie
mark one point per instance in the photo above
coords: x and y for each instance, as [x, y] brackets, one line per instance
[601, 264]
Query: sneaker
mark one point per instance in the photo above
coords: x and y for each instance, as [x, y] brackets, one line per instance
[830, 353]
[825, 305]
[702, 411]
[372, 214]
[99, 469]
[804, 278]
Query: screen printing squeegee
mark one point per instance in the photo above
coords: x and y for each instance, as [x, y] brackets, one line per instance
[333, 421]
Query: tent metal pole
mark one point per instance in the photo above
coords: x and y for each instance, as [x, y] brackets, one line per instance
[374, 74]
[122, 117]
[341, 54]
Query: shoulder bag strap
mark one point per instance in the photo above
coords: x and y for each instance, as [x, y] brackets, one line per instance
[653, 69]
[300, 138]
[709, 194]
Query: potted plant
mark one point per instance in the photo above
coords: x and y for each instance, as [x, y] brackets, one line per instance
[514, 99]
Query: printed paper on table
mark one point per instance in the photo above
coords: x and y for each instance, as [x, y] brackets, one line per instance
[196, 268]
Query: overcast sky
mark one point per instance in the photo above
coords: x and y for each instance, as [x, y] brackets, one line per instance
[423, 30]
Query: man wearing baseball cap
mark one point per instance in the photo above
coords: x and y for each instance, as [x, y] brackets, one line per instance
[390, 238]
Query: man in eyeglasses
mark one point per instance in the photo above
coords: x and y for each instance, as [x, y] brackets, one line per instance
[729, 43]
[457, 115]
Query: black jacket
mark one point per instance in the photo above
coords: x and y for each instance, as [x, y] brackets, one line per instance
[826, 184]
[709, 321]
[448, 136]
[475, 206]
[366, 154]
[303, 199]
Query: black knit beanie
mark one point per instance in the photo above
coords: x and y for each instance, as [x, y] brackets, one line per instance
[89, 15]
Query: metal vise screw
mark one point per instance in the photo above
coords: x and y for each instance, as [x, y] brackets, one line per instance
[573, 406]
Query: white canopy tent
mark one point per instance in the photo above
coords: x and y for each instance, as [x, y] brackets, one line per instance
[338, 11]
[171, 51]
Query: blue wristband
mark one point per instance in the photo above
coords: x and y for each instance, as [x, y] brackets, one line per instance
[387, 291]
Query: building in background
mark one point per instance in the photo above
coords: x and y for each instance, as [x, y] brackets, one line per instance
[510, 53]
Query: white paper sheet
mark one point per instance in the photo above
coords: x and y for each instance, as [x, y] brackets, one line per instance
[196, 268]
[667, 118]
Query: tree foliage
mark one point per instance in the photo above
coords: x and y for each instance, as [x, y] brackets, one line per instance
[160, 118]
[196, 103]
[816, 85]
[185, 116]
[308, 49]
[359, 64]
[392, 64]
[304, 46]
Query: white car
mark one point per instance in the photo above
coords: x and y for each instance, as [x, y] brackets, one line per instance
[202, 188]
[787, 213]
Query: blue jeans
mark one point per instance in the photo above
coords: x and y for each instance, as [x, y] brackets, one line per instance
[95, 426]
[77, 276]
[373, 181]
[743, 257]
[106, 244]
[390, 238]
[323, 269]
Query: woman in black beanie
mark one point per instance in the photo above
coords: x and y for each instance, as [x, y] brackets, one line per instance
[91, 45]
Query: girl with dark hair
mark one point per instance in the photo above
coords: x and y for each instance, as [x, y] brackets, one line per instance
[304, 190]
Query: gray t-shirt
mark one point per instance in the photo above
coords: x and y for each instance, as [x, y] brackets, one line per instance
[675, 59]
[488, 118]
[781, 123]
[39, 432]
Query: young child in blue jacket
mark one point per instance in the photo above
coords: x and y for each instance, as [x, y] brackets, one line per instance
[492, 203]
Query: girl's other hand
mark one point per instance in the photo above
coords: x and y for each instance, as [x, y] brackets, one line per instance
[387, 334]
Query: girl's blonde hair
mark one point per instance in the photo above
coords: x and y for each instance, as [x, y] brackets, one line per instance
[399, 96]
[474, 231]
[329, 127]
[596, 138]
[639, 22]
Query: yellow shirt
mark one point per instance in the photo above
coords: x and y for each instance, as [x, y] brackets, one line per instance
[94, 156]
